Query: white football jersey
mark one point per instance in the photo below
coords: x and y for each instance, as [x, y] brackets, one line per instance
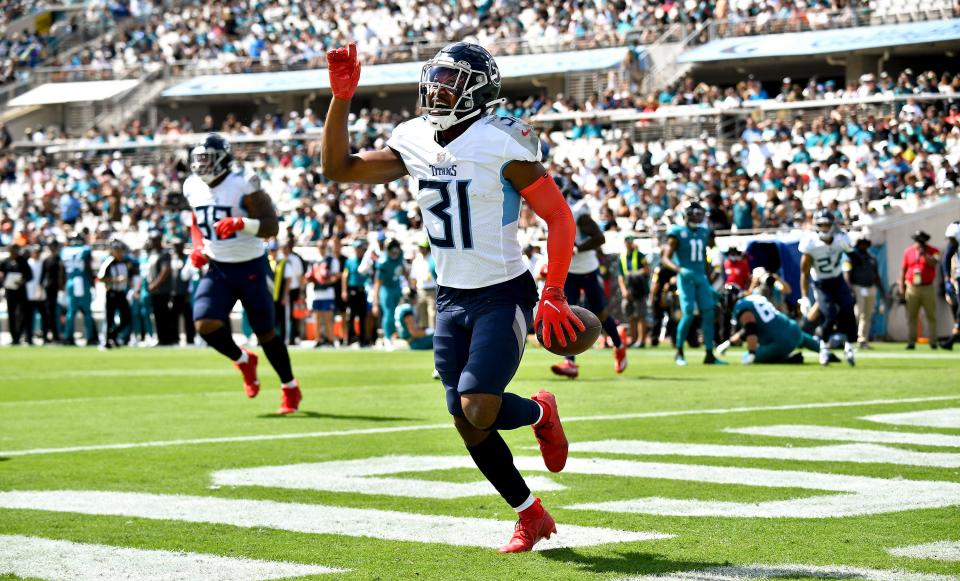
[582, 262]
[225, 200]
[470, 211]
[828, 259]
[953, 231]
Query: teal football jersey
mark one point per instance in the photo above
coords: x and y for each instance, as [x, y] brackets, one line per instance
[691, 245]
[771, 323]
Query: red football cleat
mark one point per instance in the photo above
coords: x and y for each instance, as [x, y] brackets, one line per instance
[549, 432]
[535, 523]
[251, 384]
[290, 400]
[620, 359]
[566, 368]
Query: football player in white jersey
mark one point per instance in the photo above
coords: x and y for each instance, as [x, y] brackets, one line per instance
[584, 279]
[231, 217]
[470, 169]
[824, 255]
[951, 280]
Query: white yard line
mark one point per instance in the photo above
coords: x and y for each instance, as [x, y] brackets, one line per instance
[310, 518]
[67, 561]
[855, 453]
[849, 435]
[743, 572]
[940, 418]
[939, 551]
[396, 429]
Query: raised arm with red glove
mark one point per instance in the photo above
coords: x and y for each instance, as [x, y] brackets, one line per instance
[545, 198]
[197, 257]
[344, 69]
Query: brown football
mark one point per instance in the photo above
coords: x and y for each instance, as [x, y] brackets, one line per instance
[585, 339]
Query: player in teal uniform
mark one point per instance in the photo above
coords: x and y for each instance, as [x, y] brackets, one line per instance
[79, 273]
[409, 331]
[386, 288]
[685, 253]
[771, 336]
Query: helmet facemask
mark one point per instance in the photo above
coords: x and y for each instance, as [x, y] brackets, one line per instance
[825, 229]
[208, 164]
[694, 214]
[459, 81]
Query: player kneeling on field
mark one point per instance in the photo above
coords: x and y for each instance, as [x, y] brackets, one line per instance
[771, 336]
[407, 327]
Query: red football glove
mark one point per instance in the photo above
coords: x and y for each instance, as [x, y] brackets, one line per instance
[227, 227]
[198, 259]
[556, 316]
[344, 69]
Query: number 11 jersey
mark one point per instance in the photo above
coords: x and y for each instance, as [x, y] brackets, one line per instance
[470, 211]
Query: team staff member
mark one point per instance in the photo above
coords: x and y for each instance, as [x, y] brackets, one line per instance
[917, 275]
[864, 280]
[634, 280]
[354, 294]
[115, 275]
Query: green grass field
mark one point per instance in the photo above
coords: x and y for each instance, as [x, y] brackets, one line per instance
[883, 484]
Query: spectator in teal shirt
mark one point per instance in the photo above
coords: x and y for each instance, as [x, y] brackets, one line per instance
[386, 288]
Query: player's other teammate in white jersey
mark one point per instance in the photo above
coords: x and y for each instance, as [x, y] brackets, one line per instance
[951, 280]
[583, 287]
[824, 256]
[470, 170]
[231, 217]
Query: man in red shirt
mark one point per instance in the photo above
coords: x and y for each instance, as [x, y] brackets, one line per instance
[918, 272]
[736, 269]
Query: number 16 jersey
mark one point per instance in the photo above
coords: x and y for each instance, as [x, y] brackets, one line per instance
[470, 211]
[225, 200]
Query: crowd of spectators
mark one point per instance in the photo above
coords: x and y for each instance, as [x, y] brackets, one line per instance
[242, 35]
[773, 176]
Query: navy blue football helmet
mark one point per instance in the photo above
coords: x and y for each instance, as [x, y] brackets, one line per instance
[211, 159]
[468, 75]
[825, 222]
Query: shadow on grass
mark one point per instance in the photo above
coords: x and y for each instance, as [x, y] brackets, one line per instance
[688, 379]
[306, 415]
[633, 563]
[3, 459]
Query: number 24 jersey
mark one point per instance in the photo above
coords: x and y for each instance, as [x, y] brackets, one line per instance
[470, 211]
[828, 259]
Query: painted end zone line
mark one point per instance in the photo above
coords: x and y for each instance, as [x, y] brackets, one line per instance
[68, 561]
[396, 429]
[310, 518]
[939, 551]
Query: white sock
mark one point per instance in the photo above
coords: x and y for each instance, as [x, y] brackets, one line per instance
[243, 357]
[542, 411]
[291, 384]
[824, 346]
[526, 504]
[848, 346]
